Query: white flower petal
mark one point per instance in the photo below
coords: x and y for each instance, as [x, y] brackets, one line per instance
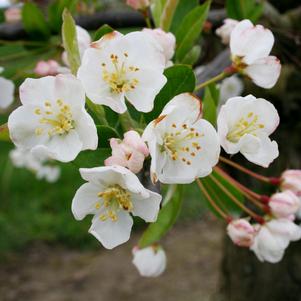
[106, 175]
[150, 84]
[264, 72]
[84, 200]
[36, 91]
[22, 129]
[7, 88]
[266, 153]
[64, 148]
[147, 208]
[86, 129]
[251, 42]
[112, 233]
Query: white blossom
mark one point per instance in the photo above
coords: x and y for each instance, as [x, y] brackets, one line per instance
[53, 118]
[230, 87]
[7, 89]
[150, 261]
[224, 31]
[182, 145]
[244, 125]
[250, 48]
[112, 194]
[119, 67]
[273, 238]
[36, 163]
[167, 41]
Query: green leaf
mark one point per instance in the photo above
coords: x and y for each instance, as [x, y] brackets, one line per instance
[34, 22]
[55, 11]
[183, 8]
[166, 219]
[210, 102]
[180, 79]
[157, 9]
[105, 133]
[193, 55]
[4, 133]
[167, 14]
[244, 9]
[89, 158]
[101, 31]
[220, 197]
[190, 30]
[70, 41]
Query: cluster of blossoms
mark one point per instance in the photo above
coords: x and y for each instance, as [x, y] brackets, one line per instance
[118, 71]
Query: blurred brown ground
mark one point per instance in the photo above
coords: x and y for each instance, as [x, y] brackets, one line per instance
[57, 274]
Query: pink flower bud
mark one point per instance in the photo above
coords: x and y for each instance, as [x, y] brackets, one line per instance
[284, 204]
[165, 39]
[12, 14]
[241, 232]
[291, 180]
[44, 68]
[138, 4]
[129, 152]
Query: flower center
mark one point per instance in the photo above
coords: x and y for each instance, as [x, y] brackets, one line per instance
[238, 62]
[58, 117]
[245, 125]
[182, 143]
[115, 198]
[120, 80]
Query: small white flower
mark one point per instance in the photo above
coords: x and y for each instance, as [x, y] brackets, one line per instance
[36, 163]
[182, 145]
[244, 125]
[7, 89]
[250, 48]
[224, 32]
[273, 238]
[150, 261]
[83, 41]
[50, 173]
[111, 195]
[119, 67]
[53, 118]
[167, 41]
[230, 87]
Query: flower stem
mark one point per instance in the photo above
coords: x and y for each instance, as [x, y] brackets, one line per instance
[245, 170]
[249, 194]
[98, 110]
[227, 72]
[211, 201]
[257, 217]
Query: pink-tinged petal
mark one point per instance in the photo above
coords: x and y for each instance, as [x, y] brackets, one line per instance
[134, 140]
[251, 42]
[114, 160]
[135, 161]
[264, 72]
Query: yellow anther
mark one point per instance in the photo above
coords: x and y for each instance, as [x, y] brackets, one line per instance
[115, 198]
